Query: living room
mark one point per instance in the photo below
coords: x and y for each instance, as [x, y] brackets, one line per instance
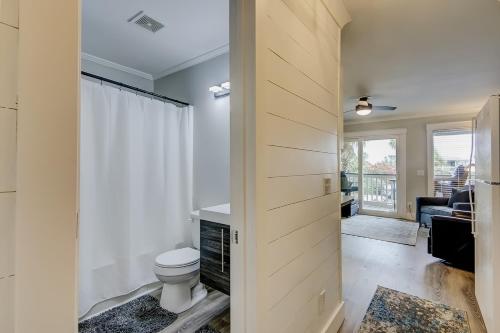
[414, 85]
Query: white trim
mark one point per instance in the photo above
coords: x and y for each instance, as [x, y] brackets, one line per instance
[430, 128]
[114, 65]
[368, 120]
[335, 321]
[242, 32]
[400, 135]
[194, 61]
[376, 133]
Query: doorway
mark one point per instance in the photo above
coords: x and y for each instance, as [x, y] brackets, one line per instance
[373, 164]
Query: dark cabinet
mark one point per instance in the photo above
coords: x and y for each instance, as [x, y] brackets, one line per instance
[214, 255]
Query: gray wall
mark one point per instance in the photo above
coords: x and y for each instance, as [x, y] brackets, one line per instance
[416, 147]
[211, 126]
[117, 75]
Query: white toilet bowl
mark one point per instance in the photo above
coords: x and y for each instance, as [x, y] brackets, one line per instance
[179, 270]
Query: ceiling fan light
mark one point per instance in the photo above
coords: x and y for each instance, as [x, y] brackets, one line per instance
[364, 112]
[363, 109]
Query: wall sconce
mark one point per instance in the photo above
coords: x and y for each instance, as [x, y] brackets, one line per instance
[221, 90]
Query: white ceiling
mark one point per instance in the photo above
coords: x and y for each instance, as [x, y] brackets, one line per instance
[195, 30]
[427, 57]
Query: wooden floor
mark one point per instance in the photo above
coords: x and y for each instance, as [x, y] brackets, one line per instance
[222, 323]
[368, 263]
[209, 310]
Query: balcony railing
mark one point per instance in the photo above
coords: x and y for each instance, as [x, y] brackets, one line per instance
[379, 190]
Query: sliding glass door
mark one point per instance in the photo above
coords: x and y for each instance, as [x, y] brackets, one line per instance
[372, 166]
[379, 175]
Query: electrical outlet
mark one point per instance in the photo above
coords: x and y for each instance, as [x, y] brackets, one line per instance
[321, 301]
[327, 184]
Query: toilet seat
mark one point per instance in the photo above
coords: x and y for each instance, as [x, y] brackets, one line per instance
[178, 258]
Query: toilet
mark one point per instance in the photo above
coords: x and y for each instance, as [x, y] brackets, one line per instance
[179, 271]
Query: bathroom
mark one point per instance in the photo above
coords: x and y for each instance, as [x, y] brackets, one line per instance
[154, 233]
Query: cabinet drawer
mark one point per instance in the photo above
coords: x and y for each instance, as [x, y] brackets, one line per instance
[214, 255]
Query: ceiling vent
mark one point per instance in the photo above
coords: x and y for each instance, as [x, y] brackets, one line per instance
[146, 22]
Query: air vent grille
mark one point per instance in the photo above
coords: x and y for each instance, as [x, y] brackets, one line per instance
[149, 23]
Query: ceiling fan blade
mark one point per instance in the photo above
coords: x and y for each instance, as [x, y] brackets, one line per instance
[384, 108]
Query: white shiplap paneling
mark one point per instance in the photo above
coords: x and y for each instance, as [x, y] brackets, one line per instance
[7, 304]
[283, 221]
[300, 104]
[8, 148]
[7, 218]
[8, 66]
[296, 162]
[285, 133]
[9, 12]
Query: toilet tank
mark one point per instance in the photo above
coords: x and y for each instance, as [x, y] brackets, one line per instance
[195, 228]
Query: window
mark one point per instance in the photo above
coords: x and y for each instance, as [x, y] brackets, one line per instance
[449, 159]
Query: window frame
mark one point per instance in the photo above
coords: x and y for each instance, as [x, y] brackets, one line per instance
[431, 128]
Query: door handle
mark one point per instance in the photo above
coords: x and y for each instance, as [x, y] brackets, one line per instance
[222, 249]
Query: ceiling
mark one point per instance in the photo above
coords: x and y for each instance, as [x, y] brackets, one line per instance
[427, 57]
[195, 30]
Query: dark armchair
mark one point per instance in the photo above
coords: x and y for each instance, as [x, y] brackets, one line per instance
[451, 239]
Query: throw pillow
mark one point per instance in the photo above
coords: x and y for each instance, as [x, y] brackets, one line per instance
[458, 196]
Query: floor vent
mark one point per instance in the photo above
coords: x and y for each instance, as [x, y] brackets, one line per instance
[146, 22]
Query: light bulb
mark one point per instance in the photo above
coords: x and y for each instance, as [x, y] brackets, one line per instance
[364, 112]
[215, 89]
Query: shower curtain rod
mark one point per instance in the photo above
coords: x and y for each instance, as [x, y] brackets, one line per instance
[97, 77]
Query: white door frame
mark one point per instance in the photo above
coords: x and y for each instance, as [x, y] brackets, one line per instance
[48, 197]
[400, 135]
[242, 138]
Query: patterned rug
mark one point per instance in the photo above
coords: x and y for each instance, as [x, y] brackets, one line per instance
[391, 311]
[381, 228]
[142, 315]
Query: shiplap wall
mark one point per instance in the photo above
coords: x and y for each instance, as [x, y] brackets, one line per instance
[297, 126]
[46, 201]
[9, 34]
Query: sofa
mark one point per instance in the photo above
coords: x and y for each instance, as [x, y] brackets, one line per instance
[427, 207]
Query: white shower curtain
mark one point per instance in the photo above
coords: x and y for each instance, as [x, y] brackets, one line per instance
[136, 166]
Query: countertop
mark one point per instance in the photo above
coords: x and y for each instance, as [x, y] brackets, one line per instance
[218, 214]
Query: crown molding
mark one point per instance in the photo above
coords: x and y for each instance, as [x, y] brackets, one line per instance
[194, 61]
[114, 65]
[408, 116]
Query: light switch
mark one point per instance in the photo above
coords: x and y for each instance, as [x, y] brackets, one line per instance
[327, 183]
[420, 173]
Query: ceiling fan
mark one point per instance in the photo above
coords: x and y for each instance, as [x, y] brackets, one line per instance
[364, 107]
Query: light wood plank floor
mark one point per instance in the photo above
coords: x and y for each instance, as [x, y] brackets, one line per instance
[368, 263]
[209, 309]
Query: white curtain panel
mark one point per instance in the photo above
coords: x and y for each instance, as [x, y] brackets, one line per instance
[136, 170]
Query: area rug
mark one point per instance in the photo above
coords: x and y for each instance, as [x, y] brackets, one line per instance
[381, 228]
[391, 311]
[142, 315]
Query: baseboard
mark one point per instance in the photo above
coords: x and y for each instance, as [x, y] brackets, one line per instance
[335, 321]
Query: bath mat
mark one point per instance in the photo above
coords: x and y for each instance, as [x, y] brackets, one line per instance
[142, 315]
[381, 228]
[397, 312]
